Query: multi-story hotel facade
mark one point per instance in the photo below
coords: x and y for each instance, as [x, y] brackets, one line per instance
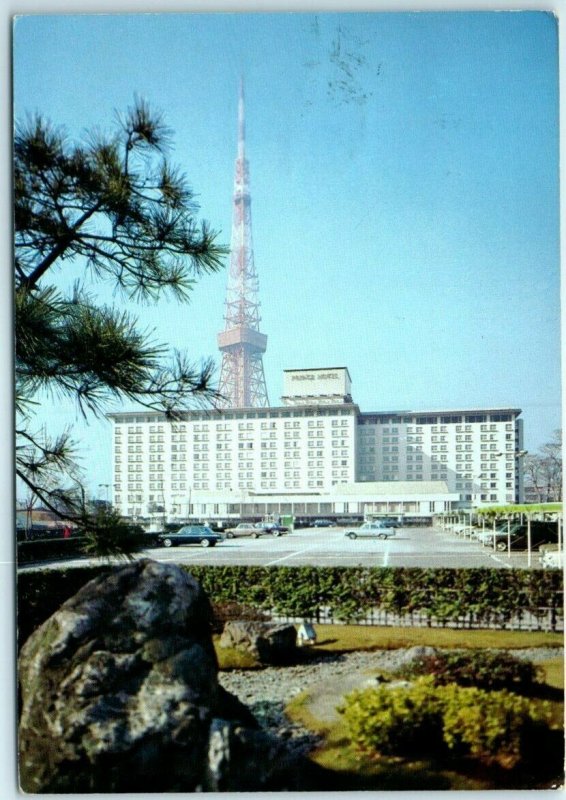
[315, 454]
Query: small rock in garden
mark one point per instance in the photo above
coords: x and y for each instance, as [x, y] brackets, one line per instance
[269, 643]
[415, 654]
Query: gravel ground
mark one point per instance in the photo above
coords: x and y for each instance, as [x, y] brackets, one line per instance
[267, 691]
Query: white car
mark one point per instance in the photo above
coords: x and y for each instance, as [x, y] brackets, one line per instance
[251, 529]
[371, 530]
[552, 559]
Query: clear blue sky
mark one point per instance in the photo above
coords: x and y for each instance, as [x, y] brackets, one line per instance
[404, 177]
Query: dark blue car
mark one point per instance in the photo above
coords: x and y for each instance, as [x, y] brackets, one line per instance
[190, 534]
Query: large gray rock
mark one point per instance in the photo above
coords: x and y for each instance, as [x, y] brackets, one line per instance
[417, 653]
[119, 693]
[270, 643]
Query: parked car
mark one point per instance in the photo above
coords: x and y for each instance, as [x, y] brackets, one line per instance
[489, 536]
[371, 530]
[324, 523]
[541, 533]
[460, 529]
[190, 534]
[389, 522]
[271, 527]
[552, 559]
[250, 529]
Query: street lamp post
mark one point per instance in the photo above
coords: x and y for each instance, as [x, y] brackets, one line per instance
[518, 455]
[529, 542]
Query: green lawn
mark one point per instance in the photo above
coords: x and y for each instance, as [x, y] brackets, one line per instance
[347, 638]
[554, 673]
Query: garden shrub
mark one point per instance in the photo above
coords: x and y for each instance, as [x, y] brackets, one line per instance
[423, 718]
[499, 726]
[483, 669]
[402, 720]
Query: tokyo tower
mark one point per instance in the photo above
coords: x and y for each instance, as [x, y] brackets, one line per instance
[242, 381]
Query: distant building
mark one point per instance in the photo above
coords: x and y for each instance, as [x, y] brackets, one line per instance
[315, 454]
[33, 523]
[37, 516]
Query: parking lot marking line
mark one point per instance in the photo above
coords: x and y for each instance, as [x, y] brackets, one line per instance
[500, 561]
[292, 555]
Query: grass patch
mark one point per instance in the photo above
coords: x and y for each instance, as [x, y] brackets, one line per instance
[554, 673]
[356, 771]
[347, 638]
[298, 710]
[552, 690]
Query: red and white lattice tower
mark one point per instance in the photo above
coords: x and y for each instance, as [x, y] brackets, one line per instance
[242, 381]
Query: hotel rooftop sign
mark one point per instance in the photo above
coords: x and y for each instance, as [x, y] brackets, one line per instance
[326, 382]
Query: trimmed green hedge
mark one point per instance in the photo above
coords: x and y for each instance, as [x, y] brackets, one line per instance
[41, 592]
[446, 594]
[489, 595]
[47, 549]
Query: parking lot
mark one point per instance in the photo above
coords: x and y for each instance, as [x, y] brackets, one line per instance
[410, 547]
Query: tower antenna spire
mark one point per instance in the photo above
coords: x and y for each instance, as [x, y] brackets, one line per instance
[242, 380]
[241, 120]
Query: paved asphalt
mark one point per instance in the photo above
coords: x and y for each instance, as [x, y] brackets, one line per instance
[410, 547]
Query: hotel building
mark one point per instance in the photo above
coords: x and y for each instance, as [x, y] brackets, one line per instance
[315, 454]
